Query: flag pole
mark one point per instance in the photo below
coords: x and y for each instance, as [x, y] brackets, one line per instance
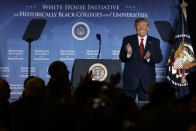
[184, 17]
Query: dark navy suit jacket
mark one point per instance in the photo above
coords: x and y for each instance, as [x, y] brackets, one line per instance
[135, 68]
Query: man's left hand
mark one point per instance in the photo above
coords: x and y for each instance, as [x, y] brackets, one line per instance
[147, 56]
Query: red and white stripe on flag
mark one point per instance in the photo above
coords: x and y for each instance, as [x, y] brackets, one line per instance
[177, 64]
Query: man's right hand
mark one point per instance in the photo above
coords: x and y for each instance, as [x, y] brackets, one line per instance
[129, 48]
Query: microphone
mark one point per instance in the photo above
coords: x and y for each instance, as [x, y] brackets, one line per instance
[98, 36]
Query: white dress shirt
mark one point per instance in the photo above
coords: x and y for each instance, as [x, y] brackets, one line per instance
[144, 43]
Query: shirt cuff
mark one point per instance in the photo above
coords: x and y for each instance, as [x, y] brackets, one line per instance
[148, 60]
[129, 55]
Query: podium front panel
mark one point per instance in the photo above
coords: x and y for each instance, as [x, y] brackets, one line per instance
[82, 66]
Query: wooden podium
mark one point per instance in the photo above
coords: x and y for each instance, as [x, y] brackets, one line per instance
[102, 69]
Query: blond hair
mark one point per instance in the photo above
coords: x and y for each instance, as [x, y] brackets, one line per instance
[141, 20]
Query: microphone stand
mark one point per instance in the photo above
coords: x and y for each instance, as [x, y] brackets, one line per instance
[99, 48]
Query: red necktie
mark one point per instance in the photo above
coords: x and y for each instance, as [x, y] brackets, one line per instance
[141, 48]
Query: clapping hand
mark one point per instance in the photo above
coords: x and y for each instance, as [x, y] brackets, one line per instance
[129, 48]
[115, 79]
[147, 56]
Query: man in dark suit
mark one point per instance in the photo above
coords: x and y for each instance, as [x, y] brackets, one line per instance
[139, 52]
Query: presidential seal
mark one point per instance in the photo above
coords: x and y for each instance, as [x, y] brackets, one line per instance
[99, 72]
[80, 31]
[184, 59]
[184, 56]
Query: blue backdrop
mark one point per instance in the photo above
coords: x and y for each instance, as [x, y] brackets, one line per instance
[70, 33]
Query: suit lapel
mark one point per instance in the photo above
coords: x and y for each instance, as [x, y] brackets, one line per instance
[148, 43]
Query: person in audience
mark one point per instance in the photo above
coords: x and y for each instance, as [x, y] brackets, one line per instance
[162, 112]
[25, 112]
[4, 105]
[59, 84]
[188, 102]
[102, 106]
[59, 112]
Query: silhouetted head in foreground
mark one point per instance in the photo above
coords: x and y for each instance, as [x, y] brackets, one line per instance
[4, 90]
[58, 69]
[162, 92]
[34, 87]
[59, 84]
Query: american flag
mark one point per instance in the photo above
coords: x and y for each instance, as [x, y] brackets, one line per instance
[178, 64]
[181, 35]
